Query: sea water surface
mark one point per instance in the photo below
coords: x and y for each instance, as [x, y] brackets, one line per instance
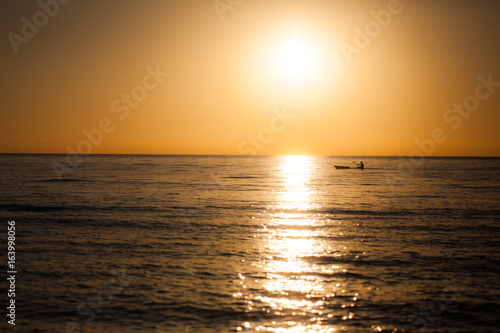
[128, 243]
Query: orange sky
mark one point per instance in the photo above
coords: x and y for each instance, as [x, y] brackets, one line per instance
[260, 76]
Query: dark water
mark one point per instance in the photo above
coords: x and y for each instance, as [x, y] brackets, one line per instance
[256, 244]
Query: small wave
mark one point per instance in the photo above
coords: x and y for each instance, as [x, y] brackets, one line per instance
[67, 180]
[79, 208]
[31, 208]
[241, 177]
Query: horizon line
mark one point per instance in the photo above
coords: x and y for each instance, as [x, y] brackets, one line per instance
[263, 155]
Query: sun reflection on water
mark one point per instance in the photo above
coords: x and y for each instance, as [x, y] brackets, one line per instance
[296, 171]
[296, 290]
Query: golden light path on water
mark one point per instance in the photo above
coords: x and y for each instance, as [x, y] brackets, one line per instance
[295, 289]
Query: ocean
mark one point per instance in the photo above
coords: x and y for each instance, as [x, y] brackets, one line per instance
[288, 244]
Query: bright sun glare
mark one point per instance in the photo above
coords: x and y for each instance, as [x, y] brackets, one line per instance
[296, 58]
[294, 61]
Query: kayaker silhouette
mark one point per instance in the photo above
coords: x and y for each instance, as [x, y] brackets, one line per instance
[360, 165]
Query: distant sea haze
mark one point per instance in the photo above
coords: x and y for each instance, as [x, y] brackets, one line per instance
[151, 243]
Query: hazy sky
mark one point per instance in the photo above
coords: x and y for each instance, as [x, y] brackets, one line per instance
[267, 76]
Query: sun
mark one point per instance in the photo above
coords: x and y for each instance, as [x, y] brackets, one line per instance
[296, 62]
[296, 58]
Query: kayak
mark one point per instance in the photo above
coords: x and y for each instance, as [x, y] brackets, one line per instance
[344, 167]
